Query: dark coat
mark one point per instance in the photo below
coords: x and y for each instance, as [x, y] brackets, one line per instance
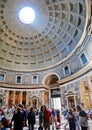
[18, 121]
[41, 118]
[31, 118]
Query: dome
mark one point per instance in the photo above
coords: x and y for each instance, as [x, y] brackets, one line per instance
[58, 29]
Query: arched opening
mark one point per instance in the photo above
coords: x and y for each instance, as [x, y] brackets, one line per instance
[34, 102]
[51, 80]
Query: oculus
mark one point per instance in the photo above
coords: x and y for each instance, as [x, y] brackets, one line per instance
[27, 15]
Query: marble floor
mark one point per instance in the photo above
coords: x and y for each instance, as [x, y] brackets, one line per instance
[64, 125]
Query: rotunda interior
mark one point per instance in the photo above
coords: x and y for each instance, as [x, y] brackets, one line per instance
[48, 60]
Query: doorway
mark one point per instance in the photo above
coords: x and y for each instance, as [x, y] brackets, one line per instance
[56, 103]
[34, 102]
[71, 102]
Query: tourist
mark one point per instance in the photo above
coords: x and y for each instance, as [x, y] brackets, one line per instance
[53, 118]
[90, 113]
[76, 115]
[83, 118]
[18, 120]
[41, 118]
[23, 114]
[31, 119]
[58, 119]
[71, 119]
[6, 124]
[47, 116]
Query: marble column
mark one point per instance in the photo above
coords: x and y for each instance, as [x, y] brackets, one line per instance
[42, 93]
[13, 97]
[7, 98]
[67, 102]
[75, 100]
[27, 98]
[21, 97]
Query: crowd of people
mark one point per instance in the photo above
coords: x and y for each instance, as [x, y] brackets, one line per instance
[19, 117]
[78, 118]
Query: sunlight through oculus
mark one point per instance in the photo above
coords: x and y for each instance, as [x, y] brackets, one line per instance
[27, 15]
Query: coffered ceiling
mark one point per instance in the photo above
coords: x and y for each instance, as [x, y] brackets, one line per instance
[58, 28]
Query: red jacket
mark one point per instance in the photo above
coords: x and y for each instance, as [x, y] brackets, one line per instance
[47, 115]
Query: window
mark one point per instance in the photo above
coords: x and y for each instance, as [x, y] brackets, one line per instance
[66, 70]
[2, 76]
[18, 79]
[83, 58]
[34, 79]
